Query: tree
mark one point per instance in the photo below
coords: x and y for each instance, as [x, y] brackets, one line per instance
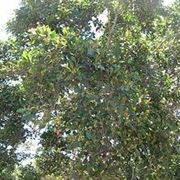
[11, 122]
[107, 103]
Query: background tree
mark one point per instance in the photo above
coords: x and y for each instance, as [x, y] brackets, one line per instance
[107, 103]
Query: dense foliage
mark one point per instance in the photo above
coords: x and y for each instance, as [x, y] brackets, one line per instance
[101, 94]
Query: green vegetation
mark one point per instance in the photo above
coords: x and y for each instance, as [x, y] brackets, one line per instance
[106, 91]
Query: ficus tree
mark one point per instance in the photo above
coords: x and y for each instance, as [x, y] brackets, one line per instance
[102, 94]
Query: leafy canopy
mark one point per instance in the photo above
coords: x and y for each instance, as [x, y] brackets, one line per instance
[104, 106]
